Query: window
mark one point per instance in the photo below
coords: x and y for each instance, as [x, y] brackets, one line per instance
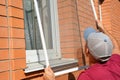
[34, 51]
[34, 48]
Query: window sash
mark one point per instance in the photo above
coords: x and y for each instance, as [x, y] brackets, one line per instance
[37, 54]
[33, 38]
[35, 58]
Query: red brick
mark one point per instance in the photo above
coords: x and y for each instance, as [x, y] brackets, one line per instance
[70, 44]
[2, 10]
[67, 3]
[110, 18]
[16, 3]
[77, 73]
[69, 38]
[4, 54]
[4, 66]
[18, 53]
[17, 33]
[17, 43]
[62, 77]
[72, 55]
[65, 10]
[3, 43]
[15, 12]
[3, 32]
[2, 2]
[3, 20]
[15, 22]
[4, 75]
[79, 54]
[67, 15]
[68, 27]
[18, 74]
[37, 78]
[18, 64]
[68, 50]
[67, 21]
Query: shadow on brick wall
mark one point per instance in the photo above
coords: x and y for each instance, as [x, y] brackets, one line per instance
[101, 1]
[71, 76]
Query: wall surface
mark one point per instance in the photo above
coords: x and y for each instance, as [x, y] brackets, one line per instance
[12, 53]
[74, 16]
[111, 18]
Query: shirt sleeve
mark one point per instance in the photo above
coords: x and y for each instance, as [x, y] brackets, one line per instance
[83, 76]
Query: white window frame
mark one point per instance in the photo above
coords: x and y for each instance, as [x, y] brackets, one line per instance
[32, 55]
[36, 61]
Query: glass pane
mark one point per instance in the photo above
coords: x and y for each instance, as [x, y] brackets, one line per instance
[44, 6]
[32, 33]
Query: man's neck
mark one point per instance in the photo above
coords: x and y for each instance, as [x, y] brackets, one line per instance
[92, 61]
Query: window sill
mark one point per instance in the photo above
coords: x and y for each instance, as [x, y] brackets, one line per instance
[57, 65]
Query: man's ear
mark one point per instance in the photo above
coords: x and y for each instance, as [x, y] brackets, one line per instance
[86, 50]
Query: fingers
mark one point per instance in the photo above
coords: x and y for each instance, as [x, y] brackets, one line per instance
[49, 74]
[100, 26]
[48, 70]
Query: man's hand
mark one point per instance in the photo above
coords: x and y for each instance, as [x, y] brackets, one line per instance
[99, 23]
[49, 74]
[100, 26]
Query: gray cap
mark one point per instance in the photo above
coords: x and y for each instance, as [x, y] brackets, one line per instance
[100, 46]
[88, 31]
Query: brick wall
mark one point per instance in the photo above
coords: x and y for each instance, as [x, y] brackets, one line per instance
[111, 18]
[12, 48]
[69, 32]
[13, 43]
[115, 19]
[4, 52]
[74, 17]
[86, 19]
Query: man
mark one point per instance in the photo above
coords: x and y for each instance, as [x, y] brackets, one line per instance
[103, 64]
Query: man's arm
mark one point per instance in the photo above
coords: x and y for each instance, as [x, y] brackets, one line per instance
[116, 48]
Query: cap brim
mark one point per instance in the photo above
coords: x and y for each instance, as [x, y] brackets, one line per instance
[88, 31]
